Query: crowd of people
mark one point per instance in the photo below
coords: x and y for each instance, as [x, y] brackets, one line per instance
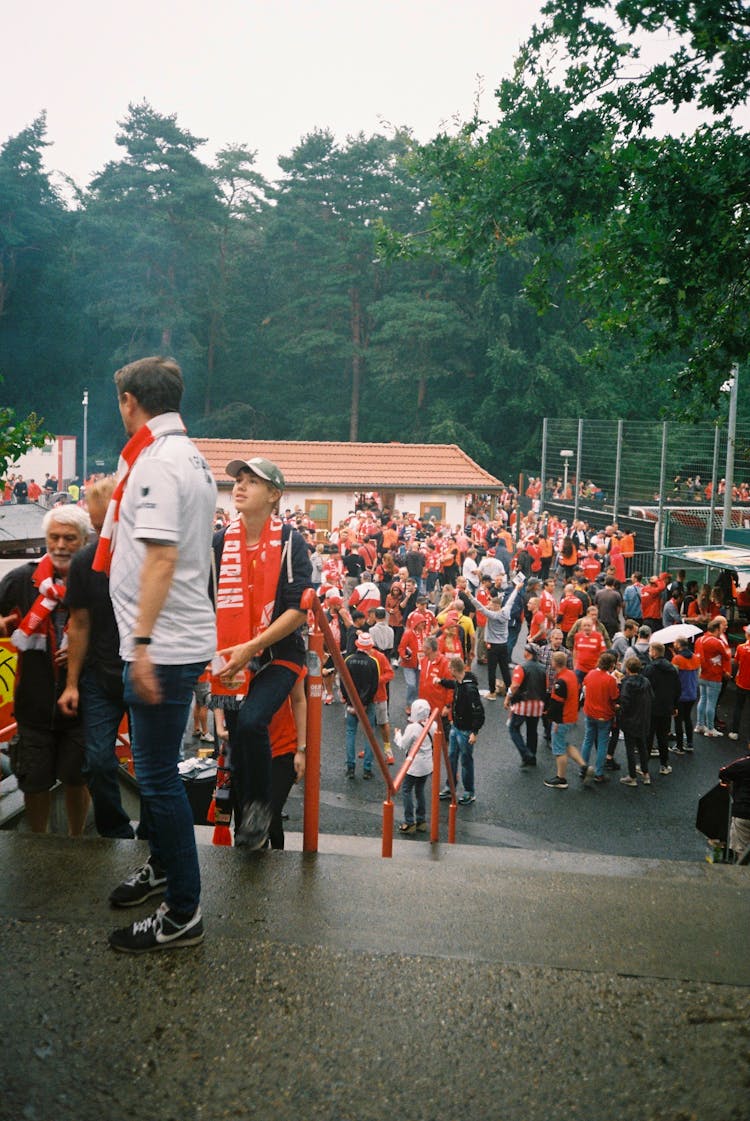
[572, 644]
[177, 608]
[18, 491]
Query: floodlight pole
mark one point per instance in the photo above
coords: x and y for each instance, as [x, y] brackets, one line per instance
[731, 433]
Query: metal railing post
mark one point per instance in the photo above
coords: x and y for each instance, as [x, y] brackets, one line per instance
[311, 809]
[437, 754]
[388, 810]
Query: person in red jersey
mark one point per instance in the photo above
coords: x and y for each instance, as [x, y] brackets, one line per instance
[571, 608]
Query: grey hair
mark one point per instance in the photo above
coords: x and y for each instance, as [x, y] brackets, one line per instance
[68, 515]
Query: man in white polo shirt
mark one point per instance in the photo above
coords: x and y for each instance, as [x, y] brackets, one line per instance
[162, 514]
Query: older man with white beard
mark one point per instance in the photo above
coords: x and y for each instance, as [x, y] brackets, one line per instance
[50, 745]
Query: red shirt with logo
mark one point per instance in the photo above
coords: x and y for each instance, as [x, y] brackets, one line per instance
[586, 650]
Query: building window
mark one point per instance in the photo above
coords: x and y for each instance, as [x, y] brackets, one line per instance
[318, 510]
[432, 511]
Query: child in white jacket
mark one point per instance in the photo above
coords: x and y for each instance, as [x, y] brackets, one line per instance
[415, 779]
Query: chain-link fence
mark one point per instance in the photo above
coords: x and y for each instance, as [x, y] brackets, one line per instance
[664, 472]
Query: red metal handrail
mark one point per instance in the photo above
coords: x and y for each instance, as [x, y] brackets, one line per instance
[310, 602]
[8, 732]
[319, 633]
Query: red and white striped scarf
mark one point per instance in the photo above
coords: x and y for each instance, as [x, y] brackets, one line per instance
[164, 424]
[34, 629]
[242, 613]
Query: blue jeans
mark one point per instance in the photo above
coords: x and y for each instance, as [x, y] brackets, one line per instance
[352, 723]
[527, 749]
[414, 785]
[249, 739]
[411, 677]
[157, 739]
[102, 712]
[708, 697]
[460, 748]
[596, 731]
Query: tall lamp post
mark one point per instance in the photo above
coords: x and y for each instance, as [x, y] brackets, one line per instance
[730, 387]
[566, 454]
[85, 403]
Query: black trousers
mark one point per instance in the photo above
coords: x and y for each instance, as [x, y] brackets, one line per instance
[497, 658]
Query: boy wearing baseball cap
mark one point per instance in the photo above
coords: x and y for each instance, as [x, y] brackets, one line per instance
[263, 569]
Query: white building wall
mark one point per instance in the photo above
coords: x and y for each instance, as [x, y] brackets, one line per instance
[57, 458]
[342, 502]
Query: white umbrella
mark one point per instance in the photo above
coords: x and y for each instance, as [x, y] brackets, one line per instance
[677, 630]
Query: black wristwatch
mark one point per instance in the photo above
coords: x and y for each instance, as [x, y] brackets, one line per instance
[142, 640]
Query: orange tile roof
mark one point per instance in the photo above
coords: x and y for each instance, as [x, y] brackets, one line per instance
[307, 463]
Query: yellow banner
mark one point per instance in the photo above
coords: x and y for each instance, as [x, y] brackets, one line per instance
[8, 663]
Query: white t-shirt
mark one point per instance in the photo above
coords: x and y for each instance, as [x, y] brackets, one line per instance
[169, 499]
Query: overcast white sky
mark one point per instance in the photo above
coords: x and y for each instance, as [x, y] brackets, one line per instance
[257, 72]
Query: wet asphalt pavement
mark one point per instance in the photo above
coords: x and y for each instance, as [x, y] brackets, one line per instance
[514, 808]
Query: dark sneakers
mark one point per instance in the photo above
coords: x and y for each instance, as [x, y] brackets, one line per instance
[556, 783]
[466, 799]
[529, 761]
[252, 832]
[160, 931]
[139, 885]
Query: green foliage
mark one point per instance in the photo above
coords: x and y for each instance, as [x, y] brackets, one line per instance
[560, 262]
[658, 227]
[17, 437]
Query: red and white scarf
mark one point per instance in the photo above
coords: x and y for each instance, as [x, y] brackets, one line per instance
[164, 424]
[34, 629]
[245, 600]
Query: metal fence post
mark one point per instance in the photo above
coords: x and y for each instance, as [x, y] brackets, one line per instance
[577, 491]
[662, 483]
[714, 485]
[543, 468]
[618, 460]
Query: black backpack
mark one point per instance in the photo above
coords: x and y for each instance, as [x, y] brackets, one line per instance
[468, 707]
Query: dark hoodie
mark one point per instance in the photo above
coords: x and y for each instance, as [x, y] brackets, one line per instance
[665, 681]
[635, 705]
[738, 773]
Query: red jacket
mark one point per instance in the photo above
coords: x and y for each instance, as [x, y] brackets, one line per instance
[410, 648]
[651, 598]
[430, 689]
[386, 674]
